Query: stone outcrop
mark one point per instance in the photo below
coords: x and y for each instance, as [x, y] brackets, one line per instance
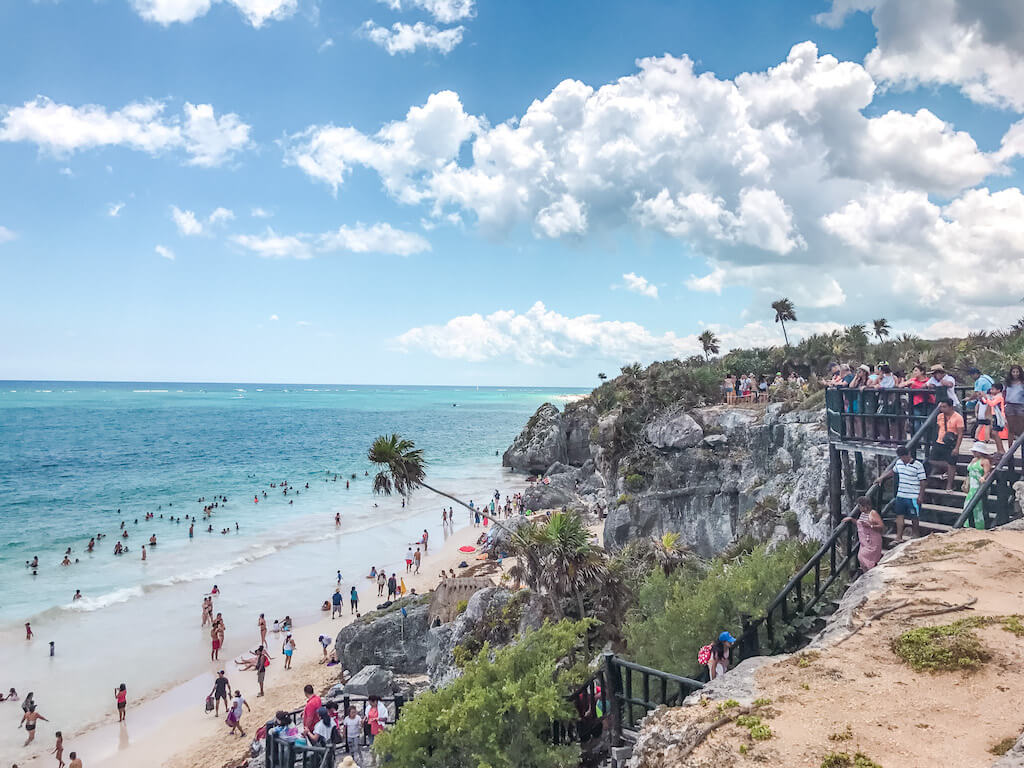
[373, 680]
[552, 437]
[389, 639]
[712, 474]
[495, 615]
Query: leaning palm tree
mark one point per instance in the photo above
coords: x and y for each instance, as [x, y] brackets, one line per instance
[709, 342]
[881, 328]
[403, 469]
[784, 311]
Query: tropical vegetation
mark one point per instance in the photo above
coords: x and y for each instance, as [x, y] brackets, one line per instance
[677, 613]
[499, 712]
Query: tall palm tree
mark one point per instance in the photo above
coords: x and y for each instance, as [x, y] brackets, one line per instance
[709, 342]
[784, 312]
[856, 339]
[881, 328]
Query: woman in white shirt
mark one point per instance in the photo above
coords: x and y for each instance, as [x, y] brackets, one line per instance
[321, 733]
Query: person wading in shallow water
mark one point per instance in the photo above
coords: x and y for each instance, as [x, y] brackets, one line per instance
[29, 719]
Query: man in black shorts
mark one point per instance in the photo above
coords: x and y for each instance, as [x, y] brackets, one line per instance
[220, 691]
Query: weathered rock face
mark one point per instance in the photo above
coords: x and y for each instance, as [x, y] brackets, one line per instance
[373, 680]
[489, 615]
[388, 639]
[552, 437]
[717, 474]
[674, 430]
[712, 475]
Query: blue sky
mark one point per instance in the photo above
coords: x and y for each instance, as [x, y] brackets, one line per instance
[300, 191]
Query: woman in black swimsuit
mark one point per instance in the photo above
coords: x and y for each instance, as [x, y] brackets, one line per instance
[29, 719]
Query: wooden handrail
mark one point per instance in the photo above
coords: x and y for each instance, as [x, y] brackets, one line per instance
[983, 489]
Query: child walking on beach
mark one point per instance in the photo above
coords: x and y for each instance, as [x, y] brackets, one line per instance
[121, 695]
[58, 750]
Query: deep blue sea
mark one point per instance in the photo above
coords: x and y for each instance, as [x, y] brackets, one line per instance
[77, 459]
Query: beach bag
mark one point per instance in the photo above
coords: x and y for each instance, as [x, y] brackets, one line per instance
[266, 661]
[209, 703]
[704, 655]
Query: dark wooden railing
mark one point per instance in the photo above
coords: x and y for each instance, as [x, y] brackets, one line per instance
[885, 417]
[616, 697]
[282, 753]
[1003, 477]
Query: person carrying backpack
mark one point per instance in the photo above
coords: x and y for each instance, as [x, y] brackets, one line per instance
[715, 656]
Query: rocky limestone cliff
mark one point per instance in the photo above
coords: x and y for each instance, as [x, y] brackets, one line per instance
[711, 474]
[551, 436]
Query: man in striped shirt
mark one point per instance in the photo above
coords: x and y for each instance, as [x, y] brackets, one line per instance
[910, 484]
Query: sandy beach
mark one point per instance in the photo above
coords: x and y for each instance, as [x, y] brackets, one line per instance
[173, 730]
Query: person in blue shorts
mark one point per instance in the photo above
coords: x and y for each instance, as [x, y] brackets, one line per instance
[910, 484]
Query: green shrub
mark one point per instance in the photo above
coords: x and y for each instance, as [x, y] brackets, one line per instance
[792, 523]
[635, 481]
[943, 648]
[676, 615]
[624, 499]
[461, 606]
[498, 713]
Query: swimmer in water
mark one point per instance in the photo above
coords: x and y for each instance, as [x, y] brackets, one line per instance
[78, 595]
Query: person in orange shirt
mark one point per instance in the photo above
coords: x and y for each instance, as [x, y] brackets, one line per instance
[947, 445]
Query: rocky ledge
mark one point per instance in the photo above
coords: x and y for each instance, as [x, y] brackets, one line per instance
[711, 474]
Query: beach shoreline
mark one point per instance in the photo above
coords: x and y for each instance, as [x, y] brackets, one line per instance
[172, 730]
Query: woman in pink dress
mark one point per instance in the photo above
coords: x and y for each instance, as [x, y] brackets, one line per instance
[869, 531]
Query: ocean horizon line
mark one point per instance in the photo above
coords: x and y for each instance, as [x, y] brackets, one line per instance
[5, 382]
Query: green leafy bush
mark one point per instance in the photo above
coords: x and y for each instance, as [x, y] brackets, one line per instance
[635, 481]
[946, 647]
[498, 714]
[676, 615]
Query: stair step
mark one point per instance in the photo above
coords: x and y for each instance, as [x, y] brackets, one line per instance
[957, 494]
[940, 509]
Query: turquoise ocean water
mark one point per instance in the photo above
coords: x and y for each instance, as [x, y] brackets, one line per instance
[72, 454]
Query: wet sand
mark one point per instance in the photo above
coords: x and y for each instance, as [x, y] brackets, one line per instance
[173, 730]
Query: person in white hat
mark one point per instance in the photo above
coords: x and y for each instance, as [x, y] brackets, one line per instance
[348, 762]
[977, 472]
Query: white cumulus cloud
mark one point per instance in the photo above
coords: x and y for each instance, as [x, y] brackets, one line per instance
[164, 252]
[443, 11]
[114, 209]
[220, 214]
[256, 12]
[186, 222]
[639, 284]
[260, 213]
[406, 38]
[62, 129]
[377, 238]
[759, 175]
[6, 235]
[977, 45]
[542, 336]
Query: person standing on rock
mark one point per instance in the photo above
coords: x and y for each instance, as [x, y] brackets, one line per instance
[721, 650]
